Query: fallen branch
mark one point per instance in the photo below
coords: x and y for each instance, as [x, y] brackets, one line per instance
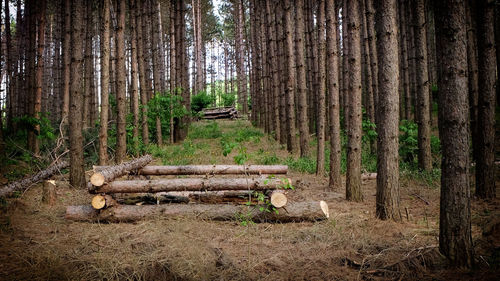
[27, 182]
[421, 198]
[294, 212]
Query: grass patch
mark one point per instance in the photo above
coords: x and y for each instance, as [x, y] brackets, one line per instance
[208, 130]
[301, 164]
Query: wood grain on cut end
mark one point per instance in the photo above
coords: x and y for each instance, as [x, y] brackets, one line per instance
[98, 202]
[278, 199]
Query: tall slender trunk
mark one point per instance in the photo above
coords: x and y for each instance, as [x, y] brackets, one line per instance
[134, 95]
[301, 78]
[485, 168]
[353, 182]
[8, 67]
[290, 87]
[143, 81]
[42, 5]
[320, 157]
[121, 133]
[423, 120]
[105, 54]
[471, 10]
[333, 94]
[404, 60]
[387, 206]
[76, 169]
[275, 83]
[455, 239]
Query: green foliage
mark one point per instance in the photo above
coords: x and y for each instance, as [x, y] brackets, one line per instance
[408, 141]
[369, 131]
[200, 101]
[302, 164]
[242, 155]
[408, 145]
[228, 99]
[205, 131]
[266, 158]
[164, 106]
[28, 123]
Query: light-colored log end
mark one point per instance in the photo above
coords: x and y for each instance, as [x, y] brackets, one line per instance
[324, 208]
[278, 199]
[49, 192]
[98, 202]
[97, 179]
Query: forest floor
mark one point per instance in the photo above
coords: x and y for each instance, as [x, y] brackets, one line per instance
[37, 243]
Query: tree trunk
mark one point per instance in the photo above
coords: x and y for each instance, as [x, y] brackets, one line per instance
[387, 206]
[404, 61]
[76, 170]
[301, 80]
[134, 95]
[293, 212]
[353, 182]
[25, 183]
[42, 6]
[88, 67]
[108, 174]
[370, 11]
[423, 119]
[471, 11]
[105, 55]
[333, 94]
[485, 168]
[321, 122]
[455, 240]
[290, 87]
[191, 184]
[121, 133]
[143, 80]
[275, 80]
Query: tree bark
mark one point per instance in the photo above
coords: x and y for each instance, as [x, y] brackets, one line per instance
[105, 54]
[472, 63]
[333, 94]
[485, 168]
[143, 80]
[387, 206]
[293, 212]
[301, 80]
[353, 182]
[25, 183]
[42, 6]
[404, 61]
[370, 11]
[191, 184]
[321, 95]
[455, 239]
[134, 95]
[291, 74]
[423, 119]
[121, 133]
[108, 174]
[76, 170]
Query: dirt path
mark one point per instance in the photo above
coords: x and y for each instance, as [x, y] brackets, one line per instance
[37, 243]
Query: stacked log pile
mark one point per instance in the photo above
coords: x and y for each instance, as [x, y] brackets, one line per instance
[220, 113]
[249, 194]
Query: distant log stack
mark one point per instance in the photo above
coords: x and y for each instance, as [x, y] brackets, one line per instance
[258, 194]
[220, 113]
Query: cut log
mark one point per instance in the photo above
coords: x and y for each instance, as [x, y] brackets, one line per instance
[27, 182]
[49, 192]
[293, 212]
[207, 170]
[278, 199]
[98, 202]
[113, 172]
[191, 184]
[155, 198]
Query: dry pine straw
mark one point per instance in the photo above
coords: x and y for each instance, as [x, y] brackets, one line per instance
[39, 244]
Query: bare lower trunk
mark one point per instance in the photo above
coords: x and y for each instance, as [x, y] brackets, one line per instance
[387, 206]
[455, 239]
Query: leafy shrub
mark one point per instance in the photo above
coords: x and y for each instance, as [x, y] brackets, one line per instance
[228, 99]
[200, 101]
[408, 144]
[160, 106]
[302, 164]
